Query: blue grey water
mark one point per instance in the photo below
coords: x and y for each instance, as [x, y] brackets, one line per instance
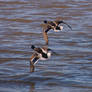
[69, 70]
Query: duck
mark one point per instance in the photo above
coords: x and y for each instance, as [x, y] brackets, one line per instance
[40, 53]
[55, 25]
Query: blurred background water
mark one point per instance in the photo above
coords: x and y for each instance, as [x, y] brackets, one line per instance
[20, 27]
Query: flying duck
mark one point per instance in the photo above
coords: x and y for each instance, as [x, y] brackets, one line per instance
[43, 53]
[55, 25]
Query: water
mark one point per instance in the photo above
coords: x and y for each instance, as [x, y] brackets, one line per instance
[70, 70]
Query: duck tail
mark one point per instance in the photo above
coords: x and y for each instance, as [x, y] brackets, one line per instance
[33, 47]
[45, 21]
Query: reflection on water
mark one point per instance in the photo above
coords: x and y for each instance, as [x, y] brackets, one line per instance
[20, 26]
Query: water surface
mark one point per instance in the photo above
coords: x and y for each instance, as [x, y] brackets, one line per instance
[70, 70]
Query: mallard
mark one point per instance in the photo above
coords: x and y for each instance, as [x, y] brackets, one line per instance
[42, 53]
[52, 25]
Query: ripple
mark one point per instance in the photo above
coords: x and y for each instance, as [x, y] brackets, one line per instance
[69, 69]
[12, 2]
[17, 20]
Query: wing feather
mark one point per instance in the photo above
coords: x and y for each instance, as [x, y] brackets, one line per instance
[34, 59]
[59, 22]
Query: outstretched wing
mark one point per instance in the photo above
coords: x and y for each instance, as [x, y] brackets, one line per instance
[45, 36]
[51, 23]
[34, 59]
[46, 28]
[59, 22]
[38, 50]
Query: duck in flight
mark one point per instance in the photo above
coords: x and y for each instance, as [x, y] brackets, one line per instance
[55, 25]
[43, 53]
